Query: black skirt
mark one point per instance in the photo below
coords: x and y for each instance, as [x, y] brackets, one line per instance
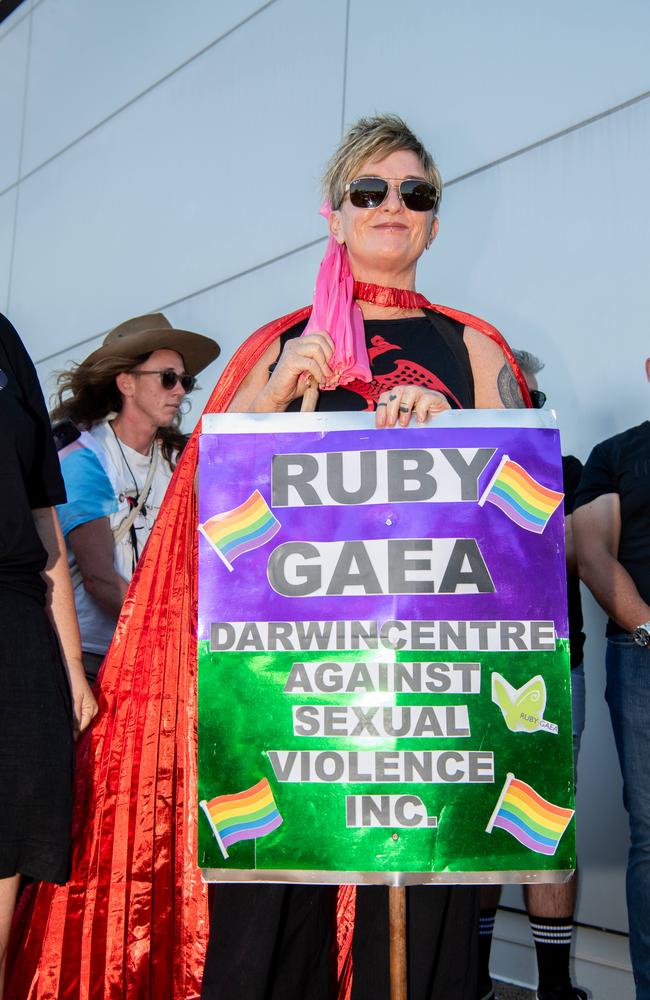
[36, 746]
[274, 942]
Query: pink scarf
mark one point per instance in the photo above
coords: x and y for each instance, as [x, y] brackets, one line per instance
[335, 311]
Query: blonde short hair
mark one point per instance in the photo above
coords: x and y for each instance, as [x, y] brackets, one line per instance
[371, 139]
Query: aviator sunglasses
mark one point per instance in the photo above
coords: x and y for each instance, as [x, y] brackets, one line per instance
[169, 378]
[370, 192]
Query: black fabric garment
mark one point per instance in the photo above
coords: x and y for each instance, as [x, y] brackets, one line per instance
[442, 943]
[622, 465]
[30, 476]
[571, 473]
[35, 709]
[271, 942]
[408, 352]
[35, 744]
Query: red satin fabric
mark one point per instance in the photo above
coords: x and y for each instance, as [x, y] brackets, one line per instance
[382, 295]
[133, 920]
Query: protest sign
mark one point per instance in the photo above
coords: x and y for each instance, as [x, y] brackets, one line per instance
[384, 690]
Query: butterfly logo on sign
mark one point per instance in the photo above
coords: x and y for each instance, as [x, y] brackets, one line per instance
[522, 708]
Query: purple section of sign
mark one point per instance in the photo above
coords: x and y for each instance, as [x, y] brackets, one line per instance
[527, 569]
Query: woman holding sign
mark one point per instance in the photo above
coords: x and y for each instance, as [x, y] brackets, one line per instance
[372, 342]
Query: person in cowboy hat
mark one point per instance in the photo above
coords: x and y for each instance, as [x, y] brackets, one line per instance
[118, 433]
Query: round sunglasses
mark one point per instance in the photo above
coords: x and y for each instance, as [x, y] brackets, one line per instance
[169, 378]
[370, 192]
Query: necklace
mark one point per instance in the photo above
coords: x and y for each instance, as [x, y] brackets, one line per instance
[135, 482]
[134, 502]
[381, 295]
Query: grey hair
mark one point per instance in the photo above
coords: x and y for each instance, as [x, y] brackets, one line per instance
[372, 138]
[529, 363]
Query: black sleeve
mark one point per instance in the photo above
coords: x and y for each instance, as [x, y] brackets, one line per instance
[44, 481]
[598, 476]
[571, 473]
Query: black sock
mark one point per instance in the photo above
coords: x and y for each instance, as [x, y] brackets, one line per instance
[486, 927]
[552, 937]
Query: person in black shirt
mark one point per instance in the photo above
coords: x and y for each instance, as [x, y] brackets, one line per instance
[550, 907]
[45, 698]
[612, 529]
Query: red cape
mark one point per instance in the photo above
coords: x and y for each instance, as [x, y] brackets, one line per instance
[133, 919]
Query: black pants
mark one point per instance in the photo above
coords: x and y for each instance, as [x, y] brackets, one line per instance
[275, 942]
[442, 935]
[92, 662]
[271, 942]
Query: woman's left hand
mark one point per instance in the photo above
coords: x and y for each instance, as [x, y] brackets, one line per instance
[398, 405]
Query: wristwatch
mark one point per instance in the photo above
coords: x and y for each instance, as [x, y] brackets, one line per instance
[641, 634]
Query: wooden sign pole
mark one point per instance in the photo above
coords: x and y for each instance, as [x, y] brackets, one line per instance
[397, 931]
[310, 398]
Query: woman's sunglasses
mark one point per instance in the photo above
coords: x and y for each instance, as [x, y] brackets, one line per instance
[371, 192]
[169, 378]
[537, 398]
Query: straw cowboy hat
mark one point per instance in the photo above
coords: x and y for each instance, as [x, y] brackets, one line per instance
[144, 334]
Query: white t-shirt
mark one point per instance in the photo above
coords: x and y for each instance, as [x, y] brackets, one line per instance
[89, 497]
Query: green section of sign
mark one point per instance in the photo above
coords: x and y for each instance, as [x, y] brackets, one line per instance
[246, 726]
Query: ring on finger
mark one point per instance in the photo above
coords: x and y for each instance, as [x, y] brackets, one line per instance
[381, 404]
[405, 409]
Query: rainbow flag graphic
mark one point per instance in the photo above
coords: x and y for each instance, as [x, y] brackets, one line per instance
[530, 819]
[520, 497]
[242, 816]
[237, 531]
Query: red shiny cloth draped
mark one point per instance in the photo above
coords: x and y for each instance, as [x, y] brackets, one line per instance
[133, 919]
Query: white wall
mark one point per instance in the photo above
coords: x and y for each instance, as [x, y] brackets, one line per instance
[165, 155]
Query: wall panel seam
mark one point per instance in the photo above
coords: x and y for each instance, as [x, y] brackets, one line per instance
[346, 52]
[21, 146]
[550, 138]
[194, 294]
[553, 137]
[141, 94]
[25, 11]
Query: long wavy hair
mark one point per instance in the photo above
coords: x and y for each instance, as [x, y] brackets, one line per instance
[87, 393]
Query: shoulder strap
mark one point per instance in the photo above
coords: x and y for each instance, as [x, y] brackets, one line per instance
[447, 330]
[125, 525]
[468, 319]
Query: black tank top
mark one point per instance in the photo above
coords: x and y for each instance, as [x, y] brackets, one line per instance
[423, 350]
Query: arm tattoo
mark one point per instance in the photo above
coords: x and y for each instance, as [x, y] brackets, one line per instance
[509, 391]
